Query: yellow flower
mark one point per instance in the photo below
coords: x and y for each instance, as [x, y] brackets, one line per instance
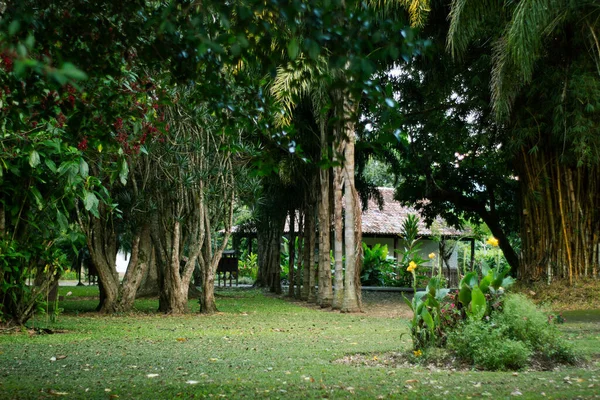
[492, 242]
[411, 266]
[418, 353]
[431, 256]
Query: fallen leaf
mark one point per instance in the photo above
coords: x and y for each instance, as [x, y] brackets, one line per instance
[516, 393]
[192, 382]
[152, 375]
[213, 359]
[114, 396]
[411, 381]
[181, 339]
[62, 357]
[55, 393]
[52, 359]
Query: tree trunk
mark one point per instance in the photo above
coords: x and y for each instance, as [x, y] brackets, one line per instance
[176, 292]
[301, 252]
[309, 226]
[292, 252]
[351, 302]
[338, 294]
[325, 293]
[102, 244]
[149, 286]
[209, 259]
[138, 264]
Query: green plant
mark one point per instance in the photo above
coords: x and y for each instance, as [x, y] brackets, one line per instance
[426, 323]
[472, 291]
[248, 266]
[486, 345]
[526, 323]
[378, 268]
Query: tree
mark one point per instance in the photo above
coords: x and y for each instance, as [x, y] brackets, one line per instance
[544, 83]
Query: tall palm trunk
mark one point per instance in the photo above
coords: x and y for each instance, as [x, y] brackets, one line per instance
[292, 251]
[338, 294]
[309, 246]
[325, 293]
[352, 228]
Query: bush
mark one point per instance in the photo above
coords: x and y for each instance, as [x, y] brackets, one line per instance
[486, 346]
[526, 323]
[508, 339]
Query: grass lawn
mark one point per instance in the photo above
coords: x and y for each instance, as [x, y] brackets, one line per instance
[257, 347]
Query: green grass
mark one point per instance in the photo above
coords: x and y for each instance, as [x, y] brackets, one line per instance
[257, 347]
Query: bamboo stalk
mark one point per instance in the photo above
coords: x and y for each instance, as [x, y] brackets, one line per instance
[564, 226]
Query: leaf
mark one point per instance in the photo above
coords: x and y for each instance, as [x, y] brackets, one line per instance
[124, 172]
[293, 48]
[90, 201]
[508, 282]
[464, 296]
[151, 375]
[38, 197]
[427, 318]
[408, 302]
[34, 159]
[84, 169]
[63, 223]
[478, 304]
[486, 281]
[70, 71]
[50, 164]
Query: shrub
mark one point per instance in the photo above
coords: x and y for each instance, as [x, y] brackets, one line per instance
[486, 346]
[525, 322]
[376, 265]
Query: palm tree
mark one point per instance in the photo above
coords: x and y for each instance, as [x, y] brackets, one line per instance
[329, 90]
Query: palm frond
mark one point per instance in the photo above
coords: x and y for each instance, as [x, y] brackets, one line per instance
[466, 18]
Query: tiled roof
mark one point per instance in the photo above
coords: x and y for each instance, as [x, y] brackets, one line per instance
[389, 220]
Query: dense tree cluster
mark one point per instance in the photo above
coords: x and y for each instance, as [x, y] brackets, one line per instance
[144, 125]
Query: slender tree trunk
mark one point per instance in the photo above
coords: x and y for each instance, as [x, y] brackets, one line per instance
[338, 294]
[351, 302]
[309, 226]
[558, 229]
[301, 244]
[325, 293]
[292, 252]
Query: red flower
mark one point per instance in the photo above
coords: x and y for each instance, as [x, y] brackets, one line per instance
[83, 144]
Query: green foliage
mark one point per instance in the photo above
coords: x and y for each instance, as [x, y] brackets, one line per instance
[514, 334]
[487, 347]
[378, 268]
[248, 265]
[472, 291]
[426, 324]
[525, 322]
